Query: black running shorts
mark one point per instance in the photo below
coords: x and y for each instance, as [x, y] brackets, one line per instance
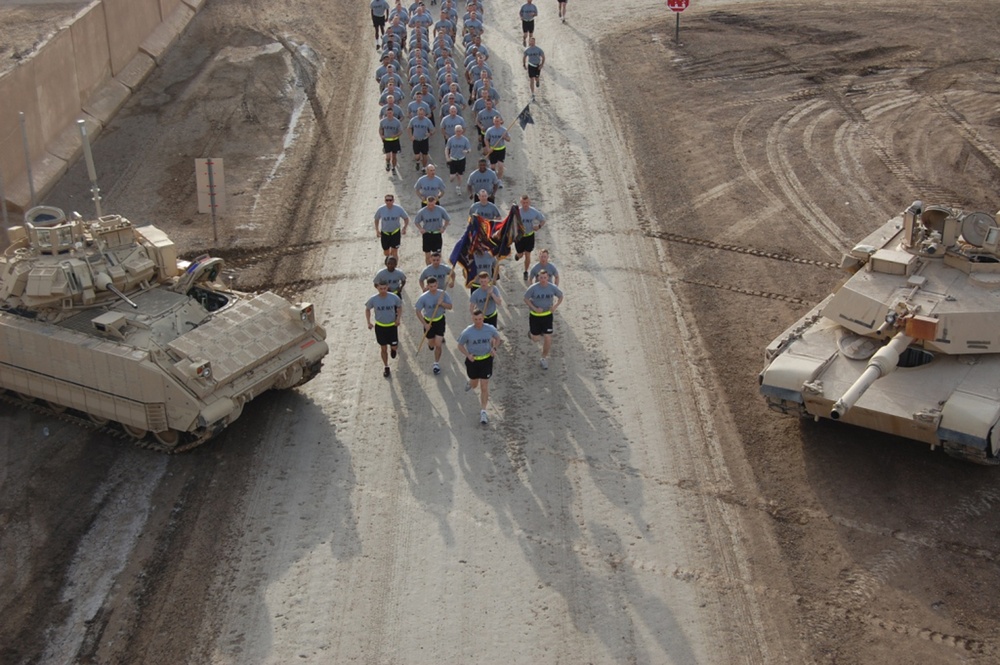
[540, 325]
[479, 369]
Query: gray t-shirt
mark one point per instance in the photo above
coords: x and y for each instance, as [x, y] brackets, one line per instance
[528, 12]
[538, 267]
[478, 342]
[429, 186]
[379, 7]
[487, 210]
[496, 137]
[542, 297]
[449, 123]
[412, 107]
[421, 127]
[479, 297]
[483, 180]
[427, 304]
[534, 55]
[440, 271]
[481, 48]
[391, 76]
[397, 94]
[420, 21]
[394, 278]
[473, 26]
[485, 262]
[390, 219]
[431, 221]
[531, 218]
[459, 147]
[391, 128]
[484, 118]
[385, 308]
[395, 109]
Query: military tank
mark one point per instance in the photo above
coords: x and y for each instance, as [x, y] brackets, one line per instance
[100, 320]
[910, 344]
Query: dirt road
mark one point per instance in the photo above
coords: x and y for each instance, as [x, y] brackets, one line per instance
[633, 503]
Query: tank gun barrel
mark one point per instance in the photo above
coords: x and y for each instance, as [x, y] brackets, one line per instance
[104, 282]
[121, 295]
[882, 363]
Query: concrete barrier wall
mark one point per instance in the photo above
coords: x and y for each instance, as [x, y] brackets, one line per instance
[86, 70]
[129, 22]
[90, 45]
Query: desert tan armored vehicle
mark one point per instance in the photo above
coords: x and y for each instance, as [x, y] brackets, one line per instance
[99, 319]
[910, 345]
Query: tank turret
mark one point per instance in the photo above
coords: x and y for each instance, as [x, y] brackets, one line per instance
[910, 344]
[100, 319]
[56, 265]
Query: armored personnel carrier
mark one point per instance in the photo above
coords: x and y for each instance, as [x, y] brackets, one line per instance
[99, 319]
[910, 344]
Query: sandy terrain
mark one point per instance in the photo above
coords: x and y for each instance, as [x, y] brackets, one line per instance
[634, 503]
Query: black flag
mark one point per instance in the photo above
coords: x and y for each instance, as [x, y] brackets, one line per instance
[524, 117]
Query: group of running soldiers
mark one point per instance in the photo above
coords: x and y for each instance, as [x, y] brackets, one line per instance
[402, 32]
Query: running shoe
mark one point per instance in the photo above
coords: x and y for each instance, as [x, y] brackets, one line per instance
[517, 257]
[416, 166]
[468, 386]
[392, 352]
[386, 371]
[458, 189]
[544, 362]
[526, 275]
[394, 171]
[483, 417]
[437, 368]
[387, 167]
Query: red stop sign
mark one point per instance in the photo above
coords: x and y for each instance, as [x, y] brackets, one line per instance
[678, 5]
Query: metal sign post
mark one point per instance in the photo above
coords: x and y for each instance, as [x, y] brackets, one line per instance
[95, 191]
[677, 6]
[210, 181]
[27, 157]
[3, 204]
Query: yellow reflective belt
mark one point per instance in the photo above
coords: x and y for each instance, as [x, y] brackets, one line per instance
[541, 313]
[433, 320]
[482, 357]
[385, 325]
[528, 234]
[390, 233]
[394, 138]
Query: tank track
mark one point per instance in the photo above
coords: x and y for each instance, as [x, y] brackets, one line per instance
[310, 373]
[110, 429]
[967, 454]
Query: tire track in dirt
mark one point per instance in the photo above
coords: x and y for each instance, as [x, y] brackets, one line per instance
[777, 144]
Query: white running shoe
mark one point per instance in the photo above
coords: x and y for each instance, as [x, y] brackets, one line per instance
[483, 418]
[436, 368]
[544, 362]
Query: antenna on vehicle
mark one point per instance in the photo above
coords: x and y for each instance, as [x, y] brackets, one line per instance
[95, 191]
